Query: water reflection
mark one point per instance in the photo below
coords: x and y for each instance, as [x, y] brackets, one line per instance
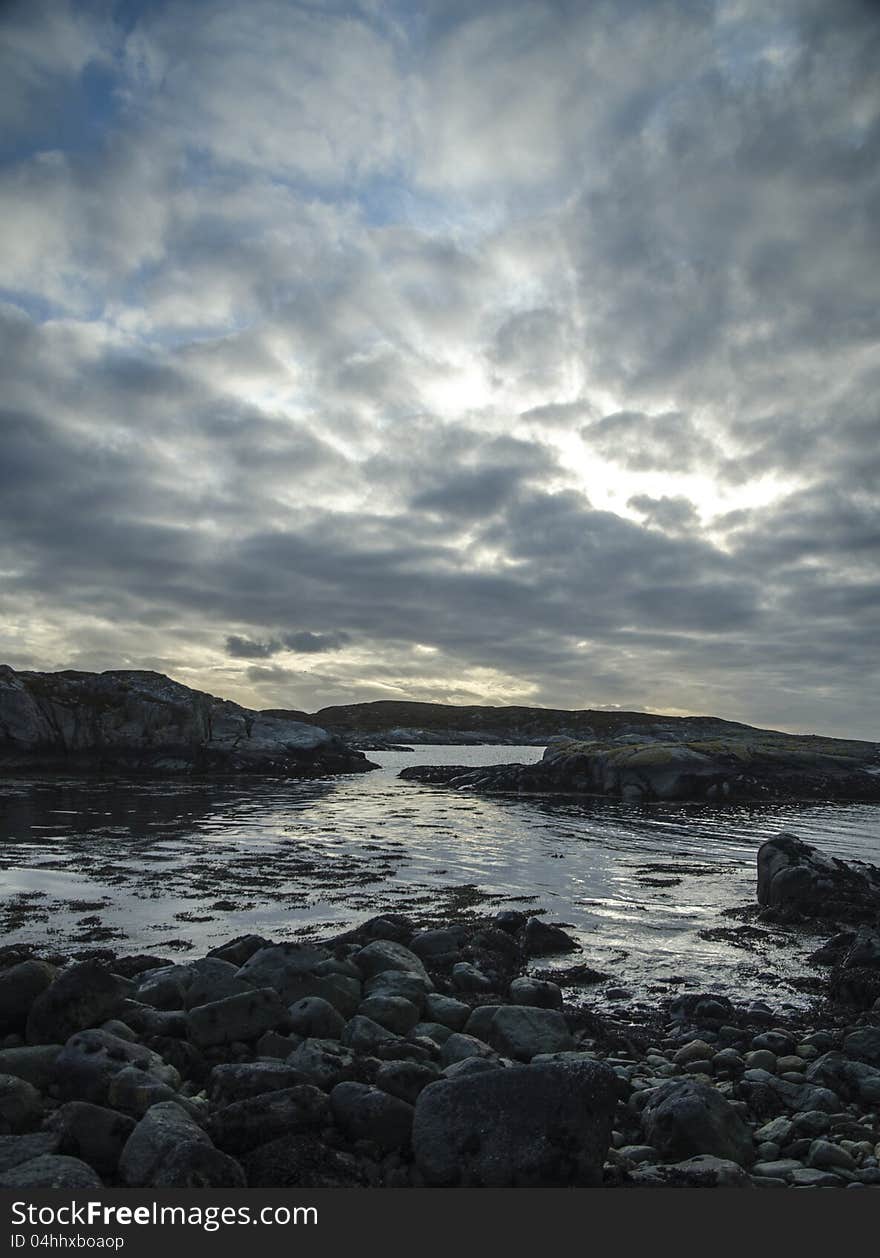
[166, 866]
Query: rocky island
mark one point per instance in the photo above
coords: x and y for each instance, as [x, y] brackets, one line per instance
[435, 1053]
[740, 765]
[143, 722]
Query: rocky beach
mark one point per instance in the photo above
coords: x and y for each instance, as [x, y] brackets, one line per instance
[460, 1053]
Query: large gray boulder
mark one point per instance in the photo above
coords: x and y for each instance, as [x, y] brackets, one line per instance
[244, 1125]
[526, 1126]
[92, 1133]
[684, 1117]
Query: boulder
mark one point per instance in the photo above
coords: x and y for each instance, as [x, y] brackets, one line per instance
[238, 1080]
[242, 1017]
[385, 954]
[244, 1125]
[34, 1062]
[196, 1165]
[535, 992]
[527, 1126]
[395, 1013]
[794, 874]
[51, 1171]
[366, 1113]
[323, 1063]
[82, 996]
[20, 986]
[92, 1133]
[406, 1079]
[284, 967]
[543, 938]
[313, 1016]
[17, 1149]
[164, 1128]
[447, 1011]
[21, 1106]
[521, 1032]
[89, 1060]
[684, 1117]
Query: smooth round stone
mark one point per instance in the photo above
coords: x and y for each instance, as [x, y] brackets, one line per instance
[761, 1059]
[696, 1050]
[790, 1064]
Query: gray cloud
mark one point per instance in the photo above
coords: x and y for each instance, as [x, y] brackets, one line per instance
[324, 367]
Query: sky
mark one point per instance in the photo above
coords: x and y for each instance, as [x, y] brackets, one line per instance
[508, 351]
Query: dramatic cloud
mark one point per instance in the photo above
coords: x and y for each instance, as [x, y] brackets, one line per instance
[519, 352]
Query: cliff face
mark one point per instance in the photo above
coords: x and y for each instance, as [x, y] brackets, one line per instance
[750, 766]
[142, 721]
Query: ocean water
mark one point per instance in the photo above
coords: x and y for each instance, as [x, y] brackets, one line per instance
[176, 867]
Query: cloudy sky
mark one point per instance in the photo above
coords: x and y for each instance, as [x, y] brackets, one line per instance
[509, 351]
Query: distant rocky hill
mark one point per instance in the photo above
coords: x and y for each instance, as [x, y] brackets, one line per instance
[393, 722]
[145, 722]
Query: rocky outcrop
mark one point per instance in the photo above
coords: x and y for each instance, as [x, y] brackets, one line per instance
[144, 722]
[793, 874]
[751, 766]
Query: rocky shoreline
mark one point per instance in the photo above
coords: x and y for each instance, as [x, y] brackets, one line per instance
[399, 1056]
[752, 766]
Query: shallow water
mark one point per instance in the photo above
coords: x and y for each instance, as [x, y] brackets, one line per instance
[165, 867]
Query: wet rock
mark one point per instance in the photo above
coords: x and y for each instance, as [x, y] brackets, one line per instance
[323, 1063]
[240, 949]
[459, 1046]
[384, 954]
[21, 1106]
[541, 938]
[412, 987]
[82, 996]
[236, 1081]
[535, 992]
[864, 1045]
[244, 1125]
[51, 1171]
[241, 1017]
[767, 1093]
[521, 1032]
[20, 986]
[538, 1126]
[134, 1091]
[440, 948]
[864, 952]
[315, 1017]
[467, 978]
[367, 1113]
[34, 1062]
[285, 968]
[684, 1117]
[406, 1079]
[363, 1035]
[480, 1021]
[447, 1011]
[89, 1060]
[164, 1128]
[826, 1156]
[91, 1133]
[853, 1080]
[301, 1161]
[434, 1031]
[702, 1171]
[793, 873]
[193, 1165]
[17, 1149]
[394, 1013]
[472, 1066]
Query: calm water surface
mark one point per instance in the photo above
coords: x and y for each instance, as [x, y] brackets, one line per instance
[171, 866]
